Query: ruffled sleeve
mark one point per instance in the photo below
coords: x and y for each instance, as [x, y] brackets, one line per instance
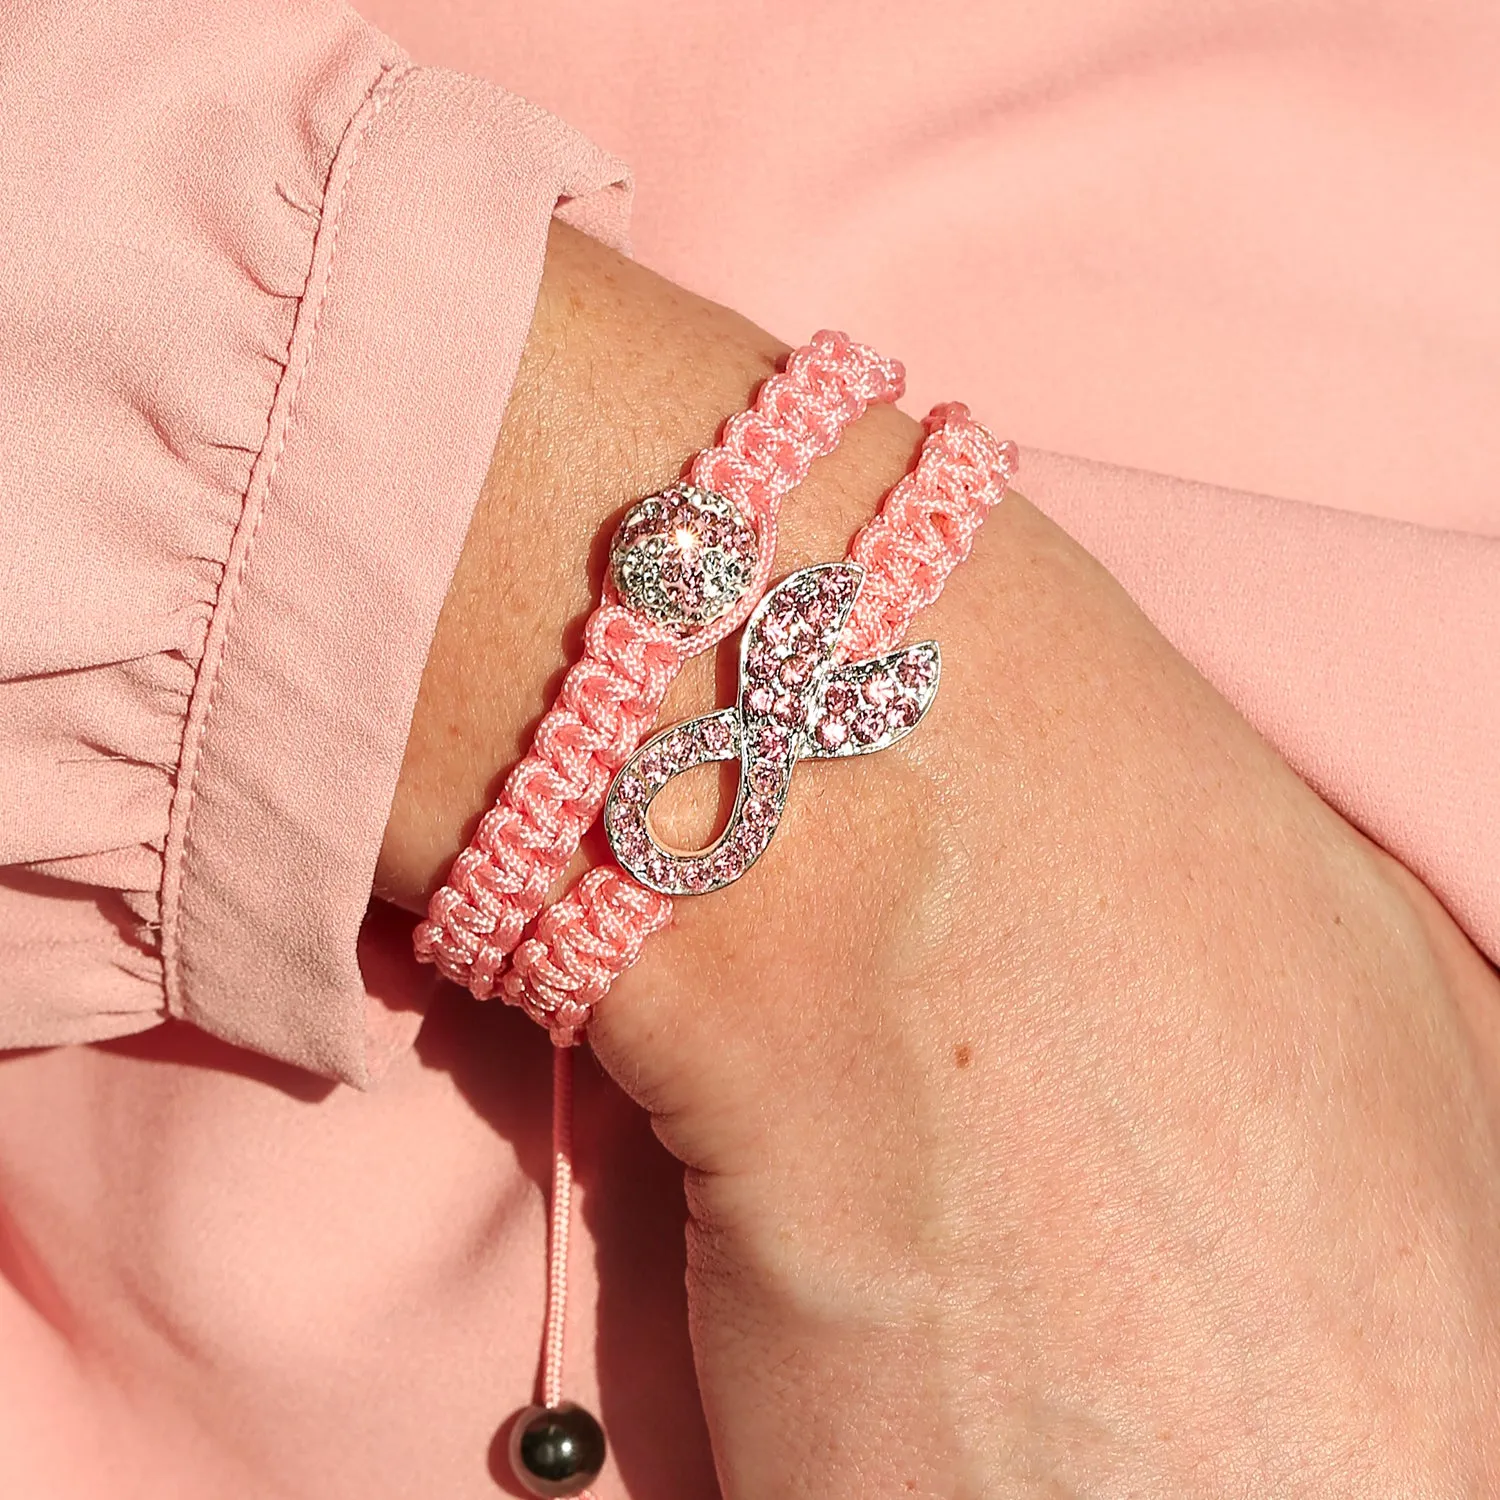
[263, 289]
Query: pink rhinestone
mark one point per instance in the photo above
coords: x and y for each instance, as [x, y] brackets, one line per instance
[879, 690]
[751, 841]
[832, 733]
[772, 743]
[759, 700]
[656, 867]
[631, 843]
[776, 629]
[761, 664]
[725, 866]
[868, 726]
[696, 876]
[915, 671]
[629, 789]
[903, 713]
[716, 735]
[795, 670]
[654, 768]
[766, 779]
[839, 699]
[788, 709]
[758, 812]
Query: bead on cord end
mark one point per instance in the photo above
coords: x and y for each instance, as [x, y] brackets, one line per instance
[556, 1450]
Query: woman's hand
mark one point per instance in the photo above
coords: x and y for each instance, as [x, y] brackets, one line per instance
[1072, 1103]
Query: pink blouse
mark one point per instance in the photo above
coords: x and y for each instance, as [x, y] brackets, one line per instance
[264, 283]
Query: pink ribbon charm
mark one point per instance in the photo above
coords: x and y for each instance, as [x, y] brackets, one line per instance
[796, 702]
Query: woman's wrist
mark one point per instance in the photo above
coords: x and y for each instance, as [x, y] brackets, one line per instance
[624, 377]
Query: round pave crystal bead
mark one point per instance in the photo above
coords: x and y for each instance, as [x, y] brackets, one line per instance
[683, 558]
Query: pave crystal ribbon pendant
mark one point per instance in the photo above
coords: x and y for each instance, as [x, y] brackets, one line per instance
[796, 702]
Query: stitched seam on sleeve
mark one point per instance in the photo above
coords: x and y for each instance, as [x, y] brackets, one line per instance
[179, 850]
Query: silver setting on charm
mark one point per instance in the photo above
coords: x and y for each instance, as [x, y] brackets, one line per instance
[683, 558]
[795, 703]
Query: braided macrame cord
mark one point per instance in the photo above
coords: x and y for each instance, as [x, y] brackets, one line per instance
[612, 695]
[491, 928]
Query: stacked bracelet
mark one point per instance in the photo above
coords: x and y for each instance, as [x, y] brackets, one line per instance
[822, 675]
[687, 567]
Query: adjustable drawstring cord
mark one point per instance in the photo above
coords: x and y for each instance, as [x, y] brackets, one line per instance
[560, 1219]
[558, 1448]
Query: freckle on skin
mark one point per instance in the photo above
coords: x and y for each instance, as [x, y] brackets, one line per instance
[963, 1055]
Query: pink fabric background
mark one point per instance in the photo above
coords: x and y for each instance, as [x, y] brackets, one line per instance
[256, 336]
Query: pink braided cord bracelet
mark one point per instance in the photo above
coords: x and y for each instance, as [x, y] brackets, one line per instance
[924, 530]
[824, 630]
[612, 695]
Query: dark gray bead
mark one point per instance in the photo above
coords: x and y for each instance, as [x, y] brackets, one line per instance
[556, 1450]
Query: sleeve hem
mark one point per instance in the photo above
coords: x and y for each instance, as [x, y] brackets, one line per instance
[423, 280]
